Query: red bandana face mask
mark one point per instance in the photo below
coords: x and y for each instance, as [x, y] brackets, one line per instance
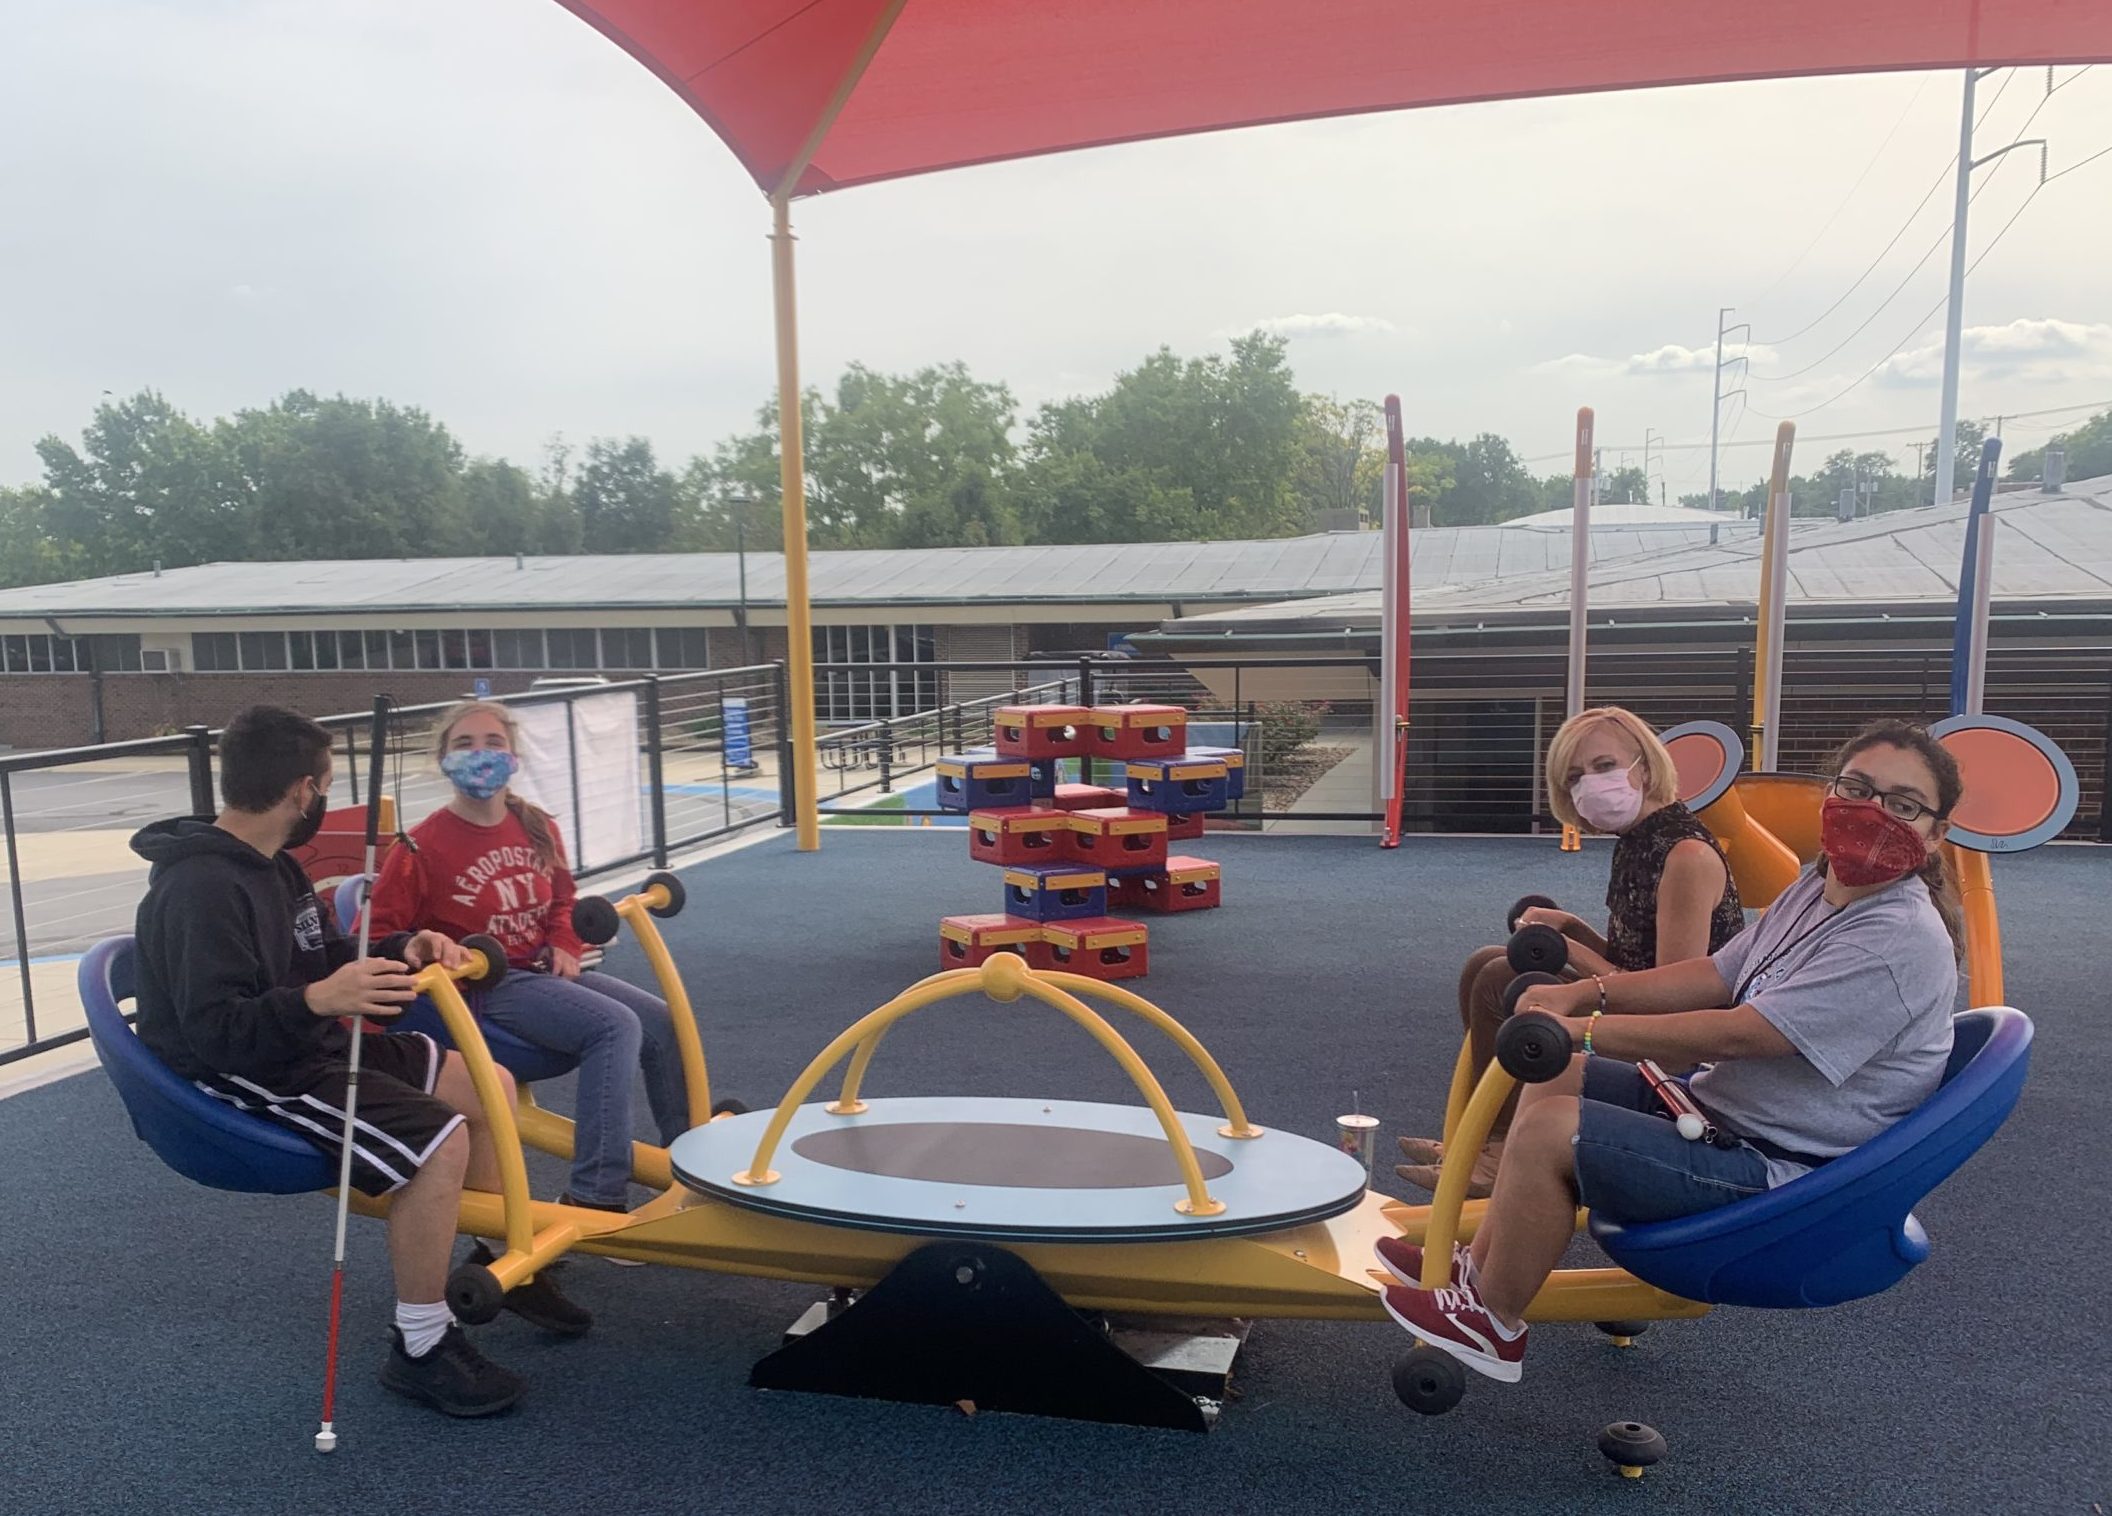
[1866, 844]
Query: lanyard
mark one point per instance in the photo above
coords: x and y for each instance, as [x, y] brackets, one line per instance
[1787, 941]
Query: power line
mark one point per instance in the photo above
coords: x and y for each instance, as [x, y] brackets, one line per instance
[1798, 261]
[1936, 184]
[1914, 331]
[1895, 431]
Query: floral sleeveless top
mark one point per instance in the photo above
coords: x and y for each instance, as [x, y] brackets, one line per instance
[1631, 893]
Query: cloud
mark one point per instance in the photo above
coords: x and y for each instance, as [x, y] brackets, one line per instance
[1330, 324]
[1671, 358]
[2041, 351]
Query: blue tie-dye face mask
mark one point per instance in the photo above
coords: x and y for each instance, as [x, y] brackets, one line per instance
[480, 773]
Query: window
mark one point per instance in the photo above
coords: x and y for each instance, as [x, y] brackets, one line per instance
[65, 656]
[627, 647]
[326, 650]
[302, 646]
[517, 650]
[479, 649]
[114, 652]
[403, 653]
[684, 647]
[16, 651]
[263, 650]
[428, 642]
[572, 648]
[895, 688]
[352, 649]
[213, 652]
[454, 648]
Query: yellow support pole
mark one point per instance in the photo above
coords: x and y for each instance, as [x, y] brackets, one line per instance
[792, 482]
[1773, 548]
[792, 475]
[689, 1042]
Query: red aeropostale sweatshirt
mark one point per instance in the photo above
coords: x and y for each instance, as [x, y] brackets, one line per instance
[462, 878]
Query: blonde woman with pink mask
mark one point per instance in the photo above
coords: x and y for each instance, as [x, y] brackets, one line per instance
[1670, 896]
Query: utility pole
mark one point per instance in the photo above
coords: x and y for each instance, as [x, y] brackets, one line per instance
[1953, 321]
[1717, 393]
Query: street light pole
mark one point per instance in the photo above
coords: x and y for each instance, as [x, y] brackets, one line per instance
[1954, 317]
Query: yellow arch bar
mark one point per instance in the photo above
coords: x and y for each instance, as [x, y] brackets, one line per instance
[1004, 978]
[1236, 1123]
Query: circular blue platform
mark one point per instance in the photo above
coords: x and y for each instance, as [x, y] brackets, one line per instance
[1017, 1171]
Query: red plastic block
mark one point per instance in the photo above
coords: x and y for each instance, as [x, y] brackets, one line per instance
[1102, 948]
[1136, 731]
[1184, 828]
[1188, 884]
[1089, 797]
[1040, 731]
[1020, 836]
[965, 941]
[1118, 838]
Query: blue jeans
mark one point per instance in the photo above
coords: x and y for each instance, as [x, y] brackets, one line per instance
[612, 1028]
[1633, 1165]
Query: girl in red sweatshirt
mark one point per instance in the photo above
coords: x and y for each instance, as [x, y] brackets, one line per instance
[489, 861]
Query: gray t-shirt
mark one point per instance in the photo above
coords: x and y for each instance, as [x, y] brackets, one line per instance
[1865, 996]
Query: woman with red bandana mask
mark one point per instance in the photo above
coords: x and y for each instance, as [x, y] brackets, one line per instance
[1669, 895]
[1838, 1024]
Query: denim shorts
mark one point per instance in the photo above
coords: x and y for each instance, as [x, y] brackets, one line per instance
[1633, 1165]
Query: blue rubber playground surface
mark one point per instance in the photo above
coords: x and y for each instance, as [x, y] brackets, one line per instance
[161, 1345]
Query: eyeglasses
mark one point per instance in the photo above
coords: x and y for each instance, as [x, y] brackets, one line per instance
[1904, 807]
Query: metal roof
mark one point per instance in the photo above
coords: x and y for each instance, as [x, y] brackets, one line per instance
[1638, 513]
[2047, 548]
[1150, 572]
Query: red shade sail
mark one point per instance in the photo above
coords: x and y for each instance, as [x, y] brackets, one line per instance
[955, 82]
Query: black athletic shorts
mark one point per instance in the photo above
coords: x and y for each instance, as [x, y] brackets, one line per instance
[399, 1122]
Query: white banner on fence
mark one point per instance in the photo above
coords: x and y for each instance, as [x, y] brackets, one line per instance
[589, 747]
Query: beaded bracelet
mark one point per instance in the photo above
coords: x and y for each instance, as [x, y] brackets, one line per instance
[1590, 1027]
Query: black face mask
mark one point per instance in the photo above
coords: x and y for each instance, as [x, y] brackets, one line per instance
[310, 823]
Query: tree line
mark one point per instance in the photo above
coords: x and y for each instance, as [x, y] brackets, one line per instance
[1217, 447]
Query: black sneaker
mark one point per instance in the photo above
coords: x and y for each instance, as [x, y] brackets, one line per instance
[454, 1378]
[540, 1302]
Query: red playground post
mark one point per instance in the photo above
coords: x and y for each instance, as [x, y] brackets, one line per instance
[1393, 628]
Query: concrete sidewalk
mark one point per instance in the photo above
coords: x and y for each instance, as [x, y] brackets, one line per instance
[1345, 787]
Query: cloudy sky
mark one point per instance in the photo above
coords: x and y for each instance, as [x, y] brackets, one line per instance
[483, 208]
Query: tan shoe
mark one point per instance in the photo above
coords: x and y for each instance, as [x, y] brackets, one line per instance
[1481, 1183]
[1422, 1149]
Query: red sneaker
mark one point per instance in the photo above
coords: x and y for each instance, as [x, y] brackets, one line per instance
[1455, 1322]
[1404, 1260]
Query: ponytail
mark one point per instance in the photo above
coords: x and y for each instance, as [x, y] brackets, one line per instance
[541, 830]
[1943, 894]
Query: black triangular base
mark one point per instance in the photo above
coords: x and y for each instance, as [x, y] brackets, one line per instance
[964, 1321]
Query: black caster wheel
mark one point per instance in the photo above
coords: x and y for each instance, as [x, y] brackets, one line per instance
[677, 896]
[473, 1294]
[730, 1106]
[1520, 985]
[1533, 1047]
[595, 920]
[1520, 906]
[1623, 1333]
[1631, 1447]
[1428, 1382]
[1537, 949]
[494, 959]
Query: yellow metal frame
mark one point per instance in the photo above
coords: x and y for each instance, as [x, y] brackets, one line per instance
[1004, 978]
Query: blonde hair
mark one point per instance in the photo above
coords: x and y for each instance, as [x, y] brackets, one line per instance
[1660, 778]
[537, 822]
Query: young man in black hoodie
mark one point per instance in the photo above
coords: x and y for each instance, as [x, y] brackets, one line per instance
[244, 981]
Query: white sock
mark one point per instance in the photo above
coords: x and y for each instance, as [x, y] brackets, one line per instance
[422, 1325]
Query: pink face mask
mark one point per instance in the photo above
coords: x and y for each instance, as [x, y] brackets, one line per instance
[1607, 802]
